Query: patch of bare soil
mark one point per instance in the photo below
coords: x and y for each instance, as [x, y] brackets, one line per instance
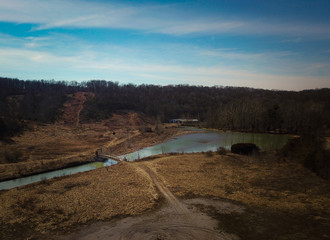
[166, 223]
[175, 220]
[74, 106]
[282, 200]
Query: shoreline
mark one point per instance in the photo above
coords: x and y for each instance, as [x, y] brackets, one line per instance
[149, 139]
[43, 166]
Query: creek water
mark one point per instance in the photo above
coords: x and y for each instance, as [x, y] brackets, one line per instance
[197, 142]
[209, 141]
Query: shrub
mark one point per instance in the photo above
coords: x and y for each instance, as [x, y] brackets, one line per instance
[159, 129]
[10, 127]
[221, 151]
[244, 148]
[209, 153]
[310, 152]
[71, 185]
[13, 156]
[144, 129]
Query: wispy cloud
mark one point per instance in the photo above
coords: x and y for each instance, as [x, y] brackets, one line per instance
[36, 42]
[202, 26]
[202, 48]
[231, 54]
[31, 58]
[155, 19]
[292, 40]
[286, 29]
[39, 64]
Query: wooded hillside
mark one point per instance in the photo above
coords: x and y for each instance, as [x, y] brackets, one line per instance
[233, 108]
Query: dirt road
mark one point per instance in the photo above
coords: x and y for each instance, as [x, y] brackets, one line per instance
[170, 198]
[175, 220]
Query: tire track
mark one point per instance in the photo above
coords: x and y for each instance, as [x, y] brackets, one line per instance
[173, 221]
[171, 199]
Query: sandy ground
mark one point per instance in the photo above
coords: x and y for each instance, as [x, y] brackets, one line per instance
[175, 220]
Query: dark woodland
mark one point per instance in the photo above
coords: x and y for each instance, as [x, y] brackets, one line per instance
[228, 108]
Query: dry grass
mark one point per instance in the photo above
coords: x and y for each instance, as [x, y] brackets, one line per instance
[53, 146]
[253, 181]
[282, 200]
[59, 204]
[272, 192]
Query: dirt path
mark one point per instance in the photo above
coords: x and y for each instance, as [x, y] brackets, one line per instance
[176, 220]
[73, 106]
[78, 114]
[171, 199]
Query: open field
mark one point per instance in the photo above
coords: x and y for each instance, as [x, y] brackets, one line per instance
[59, 204]
[53, 146]
[237, 196]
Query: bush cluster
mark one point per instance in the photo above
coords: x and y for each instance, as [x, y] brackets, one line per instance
[244, 148]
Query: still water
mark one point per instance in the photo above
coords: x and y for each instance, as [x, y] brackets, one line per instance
[209, 141]
[197, 142]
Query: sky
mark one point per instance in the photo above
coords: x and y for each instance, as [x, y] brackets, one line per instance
[282, 45]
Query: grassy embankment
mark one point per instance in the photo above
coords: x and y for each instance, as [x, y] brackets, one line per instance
[73, 141]
[54, 146]
[283, 200]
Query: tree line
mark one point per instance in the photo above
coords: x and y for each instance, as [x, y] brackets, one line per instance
[232, 108]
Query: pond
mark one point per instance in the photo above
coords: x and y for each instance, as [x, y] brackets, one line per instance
[209, 141]
[197, 142]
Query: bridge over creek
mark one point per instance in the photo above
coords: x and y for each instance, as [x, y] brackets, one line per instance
[104, 156]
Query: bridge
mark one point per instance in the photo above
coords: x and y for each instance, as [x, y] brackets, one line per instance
[106, 156]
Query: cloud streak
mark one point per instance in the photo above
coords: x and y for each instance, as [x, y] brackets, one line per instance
[40, 64]
[153, 19]
[166, 44]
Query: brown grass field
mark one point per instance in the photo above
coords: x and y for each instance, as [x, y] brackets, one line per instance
[46, 147]
[190, 196]
[281, 200]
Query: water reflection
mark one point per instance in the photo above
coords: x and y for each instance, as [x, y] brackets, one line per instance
[209, 141]
[48, 175]
[198, 142]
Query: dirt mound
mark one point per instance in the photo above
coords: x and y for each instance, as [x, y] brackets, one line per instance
[73, 107]
[128, 120]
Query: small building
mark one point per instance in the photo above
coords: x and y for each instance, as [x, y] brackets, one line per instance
[184, 120]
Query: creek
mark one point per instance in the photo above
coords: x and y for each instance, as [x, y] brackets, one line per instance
[203, 141]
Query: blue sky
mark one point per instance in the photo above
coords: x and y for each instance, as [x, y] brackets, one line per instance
[260, 44]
